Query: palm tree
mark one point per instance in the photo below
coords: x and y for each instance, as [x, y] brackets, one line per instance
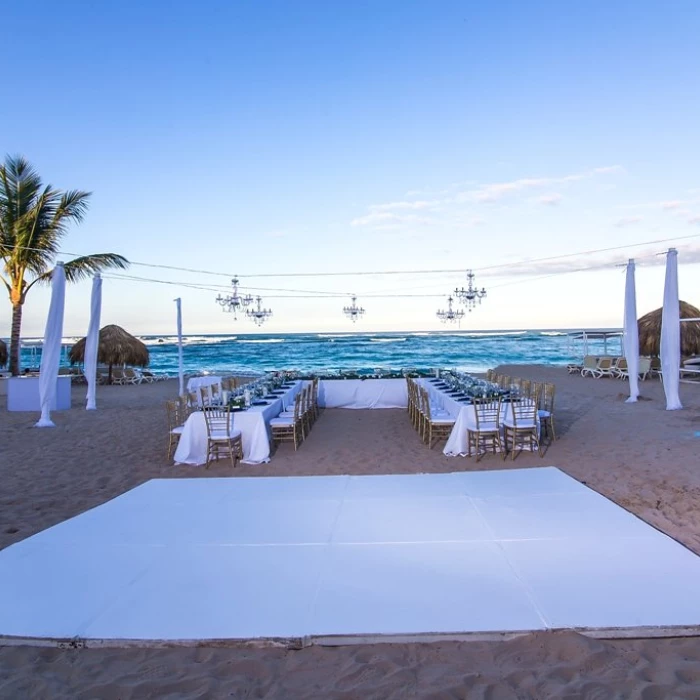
[33, 220]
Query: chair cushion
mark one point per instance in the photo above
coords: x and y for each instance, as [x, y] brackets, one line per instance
[443, 420]
[221, 435]
[522, 425]
[178, 430]
[484, 428]
[543, 414]
[282, 422]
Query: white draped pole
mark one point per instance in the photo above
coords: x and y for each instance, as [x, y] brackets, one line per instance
[92, 341]
[631, 333]
[671, 333]
[180, 370]
[51, 350]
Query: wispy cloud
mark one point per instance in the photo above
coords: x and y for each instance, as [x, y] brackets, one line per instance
[406, 204]
[672, 204]
[550, 200]
[687, 255]
[694, 220]
[388, 220]
[459, 198]
[628, 221]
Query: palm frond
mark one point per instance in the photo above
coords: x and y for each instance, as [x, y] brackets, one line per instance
[87, 265]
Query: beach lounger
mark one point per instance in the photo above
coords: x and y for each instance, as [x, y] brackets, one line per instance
[590, 365]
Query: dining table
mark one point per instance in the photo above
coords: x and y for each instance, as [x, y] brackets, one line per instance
[362, 393]
[462, 410]
[253, 422]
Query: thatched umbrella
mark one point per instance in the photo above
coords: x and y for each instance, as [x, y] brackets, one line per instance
[3, 354]
[116, 347]
[650, 332]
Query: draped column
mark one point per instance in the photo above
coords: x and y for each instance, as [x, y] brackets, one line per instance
[180, 370]
[51, 349]
[631, 333]
[92, 342]
[671, 334]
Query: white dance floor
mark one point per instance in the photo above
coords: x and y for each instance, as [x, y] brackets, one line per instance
[339, 559]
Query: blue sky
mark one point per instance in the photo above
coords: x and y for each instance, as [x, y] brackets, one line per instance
[276, 137]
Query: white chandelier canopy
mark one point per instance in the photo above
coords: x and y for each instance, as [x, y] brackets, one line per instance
[353, 312]
[234, 303]
[258, 314]
[449, 315]
[472, 294]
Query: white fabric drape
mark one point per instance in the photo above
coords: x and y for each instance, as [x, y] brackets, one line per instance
[51, 350]
[671, 333]
[631, 333]
[92, 341]
[180, 370]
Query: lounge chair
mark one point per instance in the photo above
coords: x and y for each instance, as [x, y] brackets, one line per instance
[590, 365]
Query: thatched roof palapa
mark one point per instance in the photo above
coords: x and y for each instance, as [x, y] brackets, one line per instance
[3, 354]
[116, 347]
[650, 332]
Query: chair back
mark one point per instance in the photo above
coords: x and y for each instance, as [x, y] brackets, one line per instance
[622, 363]
[298, 399]
[524, 412]
[176, 417]
[218, 420]
[605, 363]
[547, 397]
[506, 381]
[590, 362]
[487, 411]
[525, 388]
[424, 402]
[490, 374]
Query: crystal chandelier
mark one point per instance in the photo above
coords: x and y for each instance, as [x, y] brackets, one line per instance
[353, 312]
[471, 294]
[234, 302]
[257, 314]
[450, 314]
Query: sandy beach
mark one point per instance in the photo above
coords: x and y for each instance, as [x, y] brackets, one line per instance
[642, 457]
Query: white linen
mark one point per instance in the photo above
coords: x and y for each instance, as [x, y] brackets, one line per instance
[202, 382]
[464, 415]
[92, 342]
[671, 334]
[631, 333]
[362, 393]
[180, 370]
[51, 350]
[253, 424]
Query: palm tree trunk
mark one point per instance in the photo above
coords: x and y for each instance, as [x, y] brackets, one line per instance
[14, 338]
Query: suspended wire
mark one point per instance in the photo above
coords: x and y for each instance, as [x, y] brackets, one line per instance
[364, 273]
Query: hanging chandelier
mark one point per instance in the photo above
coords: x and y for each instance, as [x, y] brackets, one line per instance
[450, 314]
[234, 302]
[471, 294]
[353, 312]
[257, 314]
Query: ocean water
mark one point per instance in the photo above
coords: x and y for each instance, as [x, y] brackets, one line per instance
[463, 350]
[467, 351]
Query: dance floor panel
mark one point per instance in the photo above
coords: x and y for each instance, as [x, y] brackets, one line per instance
[348, 558]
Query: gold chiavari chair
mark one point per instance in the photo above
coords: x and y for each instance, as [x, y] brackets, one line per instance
[546, 409]
[490, 374]
[525, 388]
[487, 428]
[176, 424]
[222, 439]
[289, 428]
[521, 425]
[436, 424]
[410, 388]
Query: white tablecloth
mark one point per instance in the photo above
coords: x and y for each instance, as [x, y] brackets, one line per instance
[196, 382]
[253, 424]
[464, 415]
[363, 393]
